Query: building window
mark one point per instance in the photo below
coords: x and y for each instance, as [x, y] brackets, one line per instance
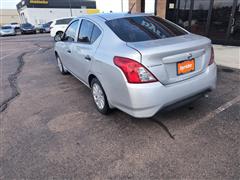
[199, 16]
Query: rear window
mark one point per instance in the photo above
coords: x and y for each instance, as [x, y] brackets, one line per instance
[63, 21]
[144, 28]
[6, 27]
[27, 25]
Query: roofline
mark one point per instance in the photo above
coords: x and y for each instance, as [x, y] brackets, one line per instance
[111, 16]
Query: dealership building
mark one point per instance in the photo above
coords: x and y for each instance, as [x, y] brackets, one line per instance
[43, 11]
[217, 19]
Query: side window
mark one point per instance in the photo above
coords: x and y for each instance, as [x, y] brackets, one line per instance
[71, 32]
[95, 34]
[85, 32]
[63, 21]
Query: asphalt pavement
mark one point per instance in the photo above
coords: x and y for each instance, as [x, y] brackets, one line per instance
[50, 128]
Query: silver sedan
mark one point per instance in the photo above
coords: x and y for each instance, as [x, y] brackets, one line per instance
[137, 63]
[7, 31]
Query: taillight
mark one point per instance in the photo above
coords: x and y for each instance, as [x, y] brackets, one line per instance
[134, 71]
[212, 57]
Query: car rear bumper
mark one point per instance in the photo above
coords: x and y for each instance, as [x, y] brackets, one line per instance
[8, 33]
[28, 31]
[147, 99]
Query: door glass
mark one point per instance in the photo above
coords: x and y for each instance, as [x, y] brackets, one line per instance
[95, 34]
[199, 16]
[183, 13]
[85, 32]
[235, 25]
[71, 31]
[220, 18]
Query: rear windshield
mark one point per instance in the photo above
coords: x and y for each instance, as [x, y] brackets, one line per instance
[46, 25]
[63, 21]
[144, 28]
[27, 25]
[6, 27]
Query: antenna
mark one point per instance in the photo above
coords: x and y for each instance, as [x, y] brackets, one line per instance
[130, 11]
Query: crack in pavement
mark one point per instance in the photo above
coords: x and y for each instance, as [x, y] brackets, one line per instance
[165, 128]
[12, 78]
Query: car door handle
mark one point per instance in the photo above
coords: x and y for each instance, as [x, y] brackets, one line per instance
[88, 58]
[69, 51]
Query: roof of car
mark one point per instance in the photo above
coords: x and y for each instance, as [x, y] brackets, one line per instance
[111, 16]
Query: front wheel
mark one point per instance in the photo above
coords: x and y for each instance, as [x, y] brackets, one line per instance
[60, 66]
[99, 97]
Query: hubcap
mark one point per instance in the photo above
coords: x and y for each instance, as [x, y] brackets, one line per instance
[98, 96]
[59, 64]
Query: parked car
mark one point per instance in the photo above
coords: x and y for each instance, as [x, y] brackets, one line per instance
[43, 28]
[58, 26]
[16, 26]
[138, 63]
[7, 31]
[27, 28]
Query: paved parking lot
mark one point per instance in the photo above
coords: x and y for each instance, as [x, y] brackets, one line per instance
[50, 128]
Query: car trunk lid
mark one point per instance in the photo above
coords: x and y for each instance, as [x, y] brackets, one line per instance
[162, 56]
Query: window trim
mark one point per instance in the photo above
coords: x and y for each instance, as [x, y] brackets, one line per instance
[95, 24]
[75, 38]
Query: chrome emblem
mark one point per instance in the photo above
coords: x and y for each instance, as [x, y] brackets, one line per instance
[189, 55]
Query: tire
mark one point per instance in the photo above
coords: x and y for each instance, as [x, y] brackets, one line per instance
[58, 36]
[61, 68]
[99, 97]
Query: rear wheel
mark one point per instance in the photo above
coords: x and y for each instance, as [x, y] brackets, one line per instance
[99, 97]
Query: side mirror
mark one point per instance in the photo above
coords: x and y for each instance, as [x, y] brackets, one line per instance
[59, 37]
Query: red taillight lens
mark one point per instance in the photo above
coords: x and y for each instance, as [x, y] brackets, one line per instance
[212, 57]
[134, 71]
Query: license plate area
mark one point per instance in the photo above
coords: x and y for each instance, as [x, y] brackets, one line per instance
[185, 67]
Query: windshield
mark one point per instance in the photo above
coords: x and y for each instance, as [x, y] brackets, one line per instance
[27, 25]
[144, 28]
[46, 25]
[6, 27]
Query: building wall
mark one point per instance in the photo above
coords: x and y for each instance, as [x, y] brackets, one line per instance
[137, 7]
[161, 6]
[43, 15]
[8, 16]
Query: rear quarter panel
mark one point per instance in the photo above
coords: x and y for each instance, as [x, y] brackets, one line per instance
[111, 77]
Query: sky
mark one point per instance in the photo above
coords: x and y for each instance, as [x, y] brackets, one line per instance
[102, 5]
[8, 4]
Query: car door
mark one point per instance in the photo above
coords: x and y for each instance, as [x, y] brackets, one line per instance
[70, 37]
[85, 48]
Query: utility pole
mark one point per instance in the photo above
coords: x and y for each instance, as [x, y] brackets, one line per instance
[70, 6]
[122, 5]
